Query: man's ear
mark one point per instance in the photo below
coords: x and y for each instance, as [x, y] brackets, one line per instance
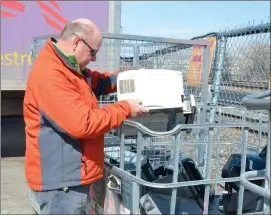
[75, 43]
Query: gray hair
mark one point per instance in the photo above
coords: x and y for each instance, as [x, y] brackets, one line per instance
[77, 28]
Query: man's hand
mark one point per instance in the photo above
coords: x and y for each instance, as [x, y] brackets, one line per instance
[137, 109]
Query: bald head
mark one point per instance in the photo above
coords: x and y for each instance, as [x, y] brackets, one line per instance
[82, 27]
[85, 22]
[81, 38]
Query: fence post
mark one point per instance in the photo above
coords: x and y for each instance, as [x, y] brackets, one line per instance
[136, 57]
[204, 101]
[135, 186]
[266, 207]
[219, 67]
[33, 51]
[267, 167]
[112, 56]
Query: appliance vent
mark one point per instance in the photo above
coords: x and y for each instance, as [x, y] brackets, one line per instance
[127, 86]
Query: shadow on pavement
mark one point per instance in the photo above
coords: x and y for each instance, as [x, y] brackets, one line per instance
[12, 136]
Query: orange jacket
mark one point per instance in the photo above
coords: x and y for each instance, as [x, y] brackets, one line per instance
[64, 125]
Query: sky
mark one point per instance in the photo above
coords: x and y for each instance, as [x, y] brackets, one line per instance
[186, 19]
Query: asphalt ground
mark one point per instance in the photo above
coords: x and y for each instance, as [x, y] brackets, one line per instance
[14, 189]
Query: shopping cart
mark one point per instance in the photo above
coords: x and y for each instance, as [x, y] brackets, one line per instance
[150, 174]
[163, 172]
[260, 101]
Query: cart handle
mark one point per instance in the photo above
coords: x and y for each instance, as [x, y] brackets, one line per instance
[258, 101]
[253, 187]
[179, 127]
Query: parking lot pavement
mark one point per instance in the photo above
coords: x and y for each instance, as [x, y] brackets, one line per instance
[14, 190]
[13, 186]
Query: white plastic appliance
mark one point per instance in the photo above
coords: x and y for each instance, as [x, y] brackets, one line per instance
[156, 88]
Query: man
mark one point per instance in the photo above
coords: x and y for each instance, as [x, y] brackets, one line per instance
[64, 125]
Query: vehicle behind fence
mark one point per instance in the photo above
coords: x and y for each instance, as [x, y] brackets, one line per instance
[219, 69]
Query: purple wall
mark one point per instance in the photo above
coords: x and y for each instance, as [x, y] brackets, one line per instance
[23, 20]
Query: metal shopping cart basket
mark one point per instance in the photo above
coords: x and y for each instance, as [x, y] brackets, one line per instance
[163, 172]
[258, 102]
[153, 174]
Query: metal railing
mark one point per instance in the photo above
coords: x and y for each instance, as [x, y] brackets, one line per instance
[240, 61]
[260, 101]
[134, 51]
[177, 141]
[214, 134]
[240, 55]
[246, 84]
[121, 51]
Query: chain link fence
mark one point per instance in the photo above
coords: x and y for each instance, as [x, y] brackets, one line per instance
[240, 66]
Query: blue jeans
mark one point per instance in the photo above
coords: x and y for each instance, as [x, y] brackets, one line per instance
[72, 201]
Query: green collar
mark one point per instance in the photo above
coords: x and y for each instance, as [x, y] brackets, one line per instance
[70, 58]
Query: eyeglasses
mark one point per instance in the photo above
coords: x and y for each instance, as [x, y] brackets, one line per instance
[93, 52]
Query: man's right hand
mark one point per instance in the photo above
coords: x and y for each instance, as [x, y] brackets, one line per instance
[137, 109]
